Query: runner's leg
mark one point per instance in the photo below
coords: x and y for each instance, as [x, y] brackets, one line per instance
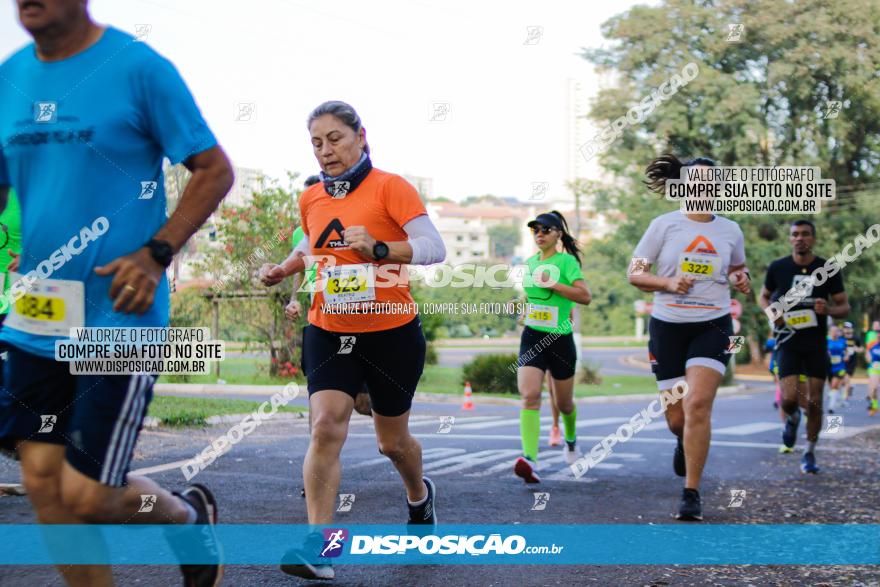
[565, 403]
[41, 465]
[555, 434]
[703, 384]
[321, 469]
[813, 399]
[396, 443]
[529, 383]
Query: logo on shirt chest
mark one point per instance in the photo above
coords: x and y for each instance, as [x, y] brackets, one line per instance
[331, 236]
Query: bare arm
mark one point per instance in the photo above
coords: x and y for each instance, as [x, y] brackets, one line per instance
[841, 307]
[577, 292]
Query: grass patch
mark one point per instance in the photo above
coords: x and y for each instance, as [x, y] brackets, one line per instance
[193, 411]
[447, 380]
[235, 370]
[435, 379]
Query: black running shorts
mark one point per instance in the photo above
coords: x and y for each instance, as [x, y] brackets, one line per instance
[547, 350]
[675, 346]
[803, 355]
[97, 417]
[389, 362]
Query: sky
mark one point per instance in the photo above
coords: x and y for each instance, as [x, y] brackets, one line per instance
[393, 60]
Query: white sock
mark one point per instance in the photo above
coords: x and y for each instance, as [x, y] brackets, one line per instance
[811, 446]
[421, 501]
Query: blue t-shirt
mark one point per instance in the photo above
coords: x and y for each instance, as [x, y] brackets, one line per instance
[837, 351]
[874, 355]
[84, 138]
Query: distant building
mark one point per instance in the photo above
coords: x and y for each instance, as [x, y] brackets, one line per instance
[247, 181]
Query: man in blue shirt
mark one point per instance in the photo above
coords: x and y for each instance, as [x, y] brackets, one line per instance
[87, 114]
[836, 366]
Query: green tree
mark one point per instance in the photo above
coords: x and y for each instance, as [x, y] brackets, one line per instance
[762, 101]
[503, 239]
[249, 235]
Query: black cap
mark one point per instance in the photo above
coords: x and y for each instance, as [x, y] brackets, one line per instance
[550, 220]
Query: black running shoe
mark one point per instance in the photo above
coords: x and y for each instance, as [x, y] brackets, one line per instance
[789, 432]
[678, 462]
[305, 561]
[424, 514]
[691, 507]
[199, 538]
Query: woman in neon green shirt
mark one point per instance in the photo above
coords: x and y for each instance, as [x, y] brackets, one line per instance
[553, 285]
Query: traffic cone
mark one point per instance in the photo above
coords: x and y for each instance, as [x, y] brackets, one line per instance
[468, 403]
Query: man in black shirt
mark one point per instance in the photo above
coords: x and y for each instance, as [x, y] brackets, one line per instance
[854, 348]
[801, 331]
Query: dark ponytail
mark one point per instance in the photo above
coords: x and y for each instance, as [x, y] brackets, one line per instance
[667, 167]
[568, 242]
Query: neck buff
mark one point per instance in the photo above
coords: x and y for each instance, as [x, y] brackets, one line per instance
[347, 181]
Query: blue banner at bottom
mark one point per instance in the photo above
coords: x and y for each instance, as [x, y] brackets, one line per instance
[268, 544]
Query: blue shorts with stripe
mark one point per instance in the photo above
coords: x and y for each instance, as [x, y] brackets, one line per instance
[97, 418]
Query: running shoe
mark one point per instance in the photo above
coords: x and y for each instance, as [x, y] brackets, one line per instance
[199, 538]
[789, 432]
[304, 562]
[808, 463]
[424, 514]
[872, 410]
[678, 462]
[572, 454]
[555, 436]
[785, 450]
[691, 507]
[526, 469]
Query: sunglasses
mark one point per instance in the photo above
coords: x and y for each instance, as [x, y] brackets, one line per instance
[541, 229]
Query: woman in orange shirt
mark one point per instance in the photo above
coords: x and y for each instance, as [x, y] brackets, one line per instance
[363, 225]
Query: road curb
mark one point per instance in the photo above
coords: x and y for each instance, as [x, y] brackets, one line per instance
[151, 422]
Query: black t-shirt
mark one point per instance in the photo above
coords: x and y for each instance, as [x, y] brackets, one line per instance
[851, 344]
[783, 274]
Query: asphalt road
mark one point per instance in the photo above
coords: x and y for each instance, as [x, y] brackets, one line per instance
[259, 481]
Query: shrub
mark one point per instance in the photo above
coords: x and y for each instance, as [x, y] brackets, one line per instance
[590, 374]
[430, 354]
[491, 373]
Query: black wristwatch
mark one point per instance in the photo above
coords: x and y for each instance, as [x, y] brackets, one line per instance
[380, 250]
[161, 251]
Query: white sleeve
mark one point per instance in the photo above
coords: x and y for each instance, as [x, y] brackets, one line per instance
[303, 247]
[651, 243]
[738, 254]
[427, 245]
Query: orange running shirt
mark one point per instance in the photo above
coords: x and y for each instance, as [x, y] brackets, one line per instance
[382, 203]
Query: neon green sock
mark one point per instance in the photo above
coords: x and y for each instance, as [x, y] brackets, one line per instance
[874, 403]
[568, 421]
[529, 431]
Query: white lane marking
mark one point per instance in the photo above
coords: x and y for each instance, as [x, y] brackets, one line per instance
[158, 468]
[426, 453]
[667, 441]
[600, 421]
[458, 420]
[496, 423]
[466, 462]
[751, 428]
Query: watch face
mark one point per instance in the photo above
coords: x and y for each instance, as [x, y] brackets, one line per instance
[380, 251]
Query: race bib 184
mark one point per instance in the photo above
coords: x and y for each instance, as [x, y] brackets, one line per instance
[51, 307]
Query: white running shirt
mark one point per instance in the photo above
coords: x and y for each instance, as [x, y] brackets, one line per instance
[676, 245]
